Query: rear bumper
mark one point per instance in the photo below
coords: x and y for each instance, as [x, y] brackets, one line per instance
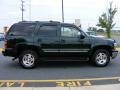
[114, 54]
[9, 52]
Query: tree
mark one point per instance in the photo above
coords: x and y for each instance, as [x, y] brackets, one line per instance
[106, 20]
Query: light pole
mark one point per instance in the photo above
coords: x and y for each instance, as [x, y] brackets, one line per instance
[62, 11]
[22, 9]
[30, 10]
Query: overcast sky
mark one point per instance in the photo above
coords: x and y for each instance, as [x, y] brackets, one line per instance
[87, 11]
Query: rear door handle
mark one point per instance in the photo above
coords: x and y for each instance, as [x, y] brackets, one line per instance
[12, 34]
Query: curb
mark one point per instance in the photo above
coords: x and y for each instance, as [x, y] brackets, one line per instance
[96, 87]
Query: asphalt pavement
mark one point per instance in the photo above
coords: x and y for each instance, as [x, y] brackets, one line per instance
[11, 70]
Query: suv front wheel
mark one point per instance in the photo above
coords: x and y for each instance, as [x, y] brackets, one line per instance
[27, 59]
[101, 58]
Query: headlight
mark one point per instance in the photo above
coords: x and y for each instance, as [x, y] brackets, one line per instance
[115, 44]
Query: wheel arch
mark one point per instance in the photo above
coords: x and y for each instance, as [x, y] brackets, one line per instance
[106, 47]
[22, 48]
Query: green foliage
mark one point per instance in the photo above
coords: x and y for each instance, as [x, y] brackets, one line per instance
[106, 20]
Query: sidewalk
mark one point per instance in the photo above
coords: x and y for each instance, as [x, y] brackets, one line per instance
[95, 87]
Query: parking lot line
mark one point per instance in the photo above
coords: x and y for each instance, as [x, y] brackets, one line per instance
[96, 87]
[62, 80]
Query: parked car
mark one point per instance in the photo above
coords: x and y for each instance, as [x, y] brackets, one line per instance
[31, 41]
[91, 33]
[1, 36]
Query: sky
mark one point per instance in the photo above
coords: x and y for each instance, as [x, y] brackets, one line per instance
[88, 11]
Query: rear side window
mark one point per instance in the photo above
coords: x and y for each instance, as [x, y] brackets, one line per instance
[48, 30]
[21, 29]
[29, 29]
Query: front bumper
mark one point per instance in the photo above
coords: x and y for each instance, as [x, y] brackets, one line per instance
[114, 54]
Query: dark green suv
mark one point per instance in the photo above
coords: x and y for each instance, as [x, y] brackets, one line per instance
[32, 41]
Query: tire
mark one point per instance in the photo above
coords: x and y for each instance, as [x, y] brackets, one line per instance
[28, 59]
[101, 58]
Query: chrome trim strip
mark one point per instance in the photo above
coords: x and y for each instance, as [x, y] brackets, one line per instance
[65, 50]
[50, 51]
[73, 51]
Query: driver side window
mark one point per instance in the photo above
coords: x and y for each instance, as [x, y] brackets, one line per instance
[69, 31]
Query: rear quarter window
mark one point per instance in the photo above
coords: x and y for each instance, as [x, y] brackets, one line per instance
[21, 29]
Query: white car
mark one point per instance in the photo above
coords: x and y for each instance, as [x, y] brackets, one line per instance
[94, 34]
[1, 36]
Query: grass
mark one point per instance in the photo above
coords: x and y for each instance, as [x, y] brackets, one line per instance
[104, 33]
[118, 46]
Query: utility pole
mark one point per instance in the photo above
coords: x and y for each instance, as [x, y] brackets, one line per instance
[62, 11]
[22, 9]
[30, 10]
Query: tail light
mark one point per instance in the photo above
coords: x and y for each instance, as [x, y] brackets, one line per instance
[5, 44]
[115, 45]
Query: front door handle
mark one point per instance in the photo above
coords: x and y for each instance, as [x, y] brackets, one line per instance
[62, 41]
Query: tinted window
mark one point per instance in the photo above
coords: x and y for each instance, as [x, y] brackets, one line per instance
[22, 29]
[29, 29]
[67, 31]
[48, 30]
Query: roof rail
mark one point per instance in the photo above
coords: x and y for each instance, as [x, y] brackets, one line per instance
[54, 21]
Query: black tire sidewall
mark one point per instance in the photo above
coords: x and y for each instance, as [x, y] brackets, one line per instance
[96, 53]
[21, 58]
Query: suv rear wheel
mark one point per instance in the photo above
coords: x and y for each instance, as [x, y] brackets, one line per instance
[28, 59]
[101, 58]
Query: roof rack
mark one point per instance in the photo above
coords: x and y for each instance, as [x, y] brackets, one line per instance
[28, 21]
[39, 21]
[54, 21]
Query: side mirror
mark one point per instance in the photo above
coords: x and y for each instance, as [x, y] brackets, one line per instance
[82, 36]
